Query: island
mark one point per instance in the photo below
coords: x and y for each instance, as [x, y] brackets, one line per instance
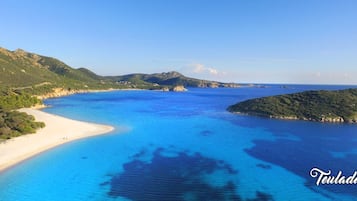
[323, 106]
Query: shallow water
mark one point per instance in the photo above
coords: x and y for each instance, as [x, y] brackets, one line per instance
[185, 146]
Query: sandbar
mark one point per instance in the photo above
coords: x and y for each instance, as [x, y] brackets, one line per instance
[58, 130]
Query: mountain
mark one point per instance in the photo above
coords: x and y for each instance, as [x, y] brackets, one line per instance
[25, 77]
[172, 78]
[24, 74]
[322, 106]
[36, 74]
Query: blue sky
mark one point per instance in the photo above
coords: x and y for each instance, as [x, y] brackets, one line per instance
[261, 41]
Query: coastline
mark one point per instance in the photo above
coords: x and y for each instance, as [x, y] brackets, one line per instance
[336, 120]
[61, 92]
[58, 130]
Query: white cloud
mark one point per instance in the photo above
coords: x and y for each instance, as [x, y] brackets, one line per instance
[202, 69]
[213, 71]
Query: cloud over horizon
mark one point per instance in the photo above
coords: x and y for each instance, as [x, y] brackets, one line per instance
[203, 71]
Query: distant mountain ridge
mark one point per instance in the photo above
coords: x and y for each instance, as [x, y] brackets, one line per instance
[37, 74]
[171, 78]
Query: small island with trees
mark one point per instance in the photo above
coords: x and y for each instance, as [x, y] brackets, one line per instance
[323, 106]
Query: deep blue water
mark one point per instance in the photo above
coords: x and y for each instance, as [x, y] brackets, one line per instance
[186, 146]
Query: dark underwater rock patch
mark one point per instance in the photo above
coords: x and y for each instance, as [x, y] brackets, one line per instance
[179, 177]
[175, 177]
[262, 197]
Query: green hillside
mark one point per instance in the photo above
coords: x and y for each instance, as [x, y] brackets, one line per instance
[172, 78]
[323, 106]
[38, 74]
[25, 76]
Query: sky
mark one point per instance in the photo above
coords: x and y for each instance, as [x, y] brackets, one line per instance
[244, 41]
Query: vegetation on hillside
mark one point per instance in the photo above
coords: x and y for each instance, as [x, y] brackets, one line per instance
[324, 106]
[169, 79]
[14, 123]
[25, 76]
[38, 75]
[12, 100]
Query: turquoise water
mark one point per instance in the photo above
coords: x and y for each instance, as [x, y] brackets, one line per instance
[185, 146]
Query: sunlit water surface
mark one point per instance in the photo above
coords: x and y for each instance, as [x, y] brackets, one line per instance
[185, 146]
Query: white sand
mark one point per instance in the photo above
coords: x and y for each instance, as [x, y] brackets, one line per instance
[58, 130]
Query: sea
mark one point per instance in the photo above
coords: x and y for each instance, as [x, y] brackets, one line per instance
[173, 146]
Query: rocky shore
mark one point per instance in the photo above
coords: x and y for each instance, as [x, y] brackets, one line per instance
[59, 92]
[322, 119]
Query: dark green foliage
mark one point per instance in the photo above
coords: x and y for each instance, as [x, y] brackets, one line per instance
[11, 101]
[14, 123]
[310, 105]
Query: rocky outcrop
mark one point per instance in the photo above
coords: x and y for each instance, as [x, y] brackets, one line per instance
[179, 88]
[166, 89]
[284, 117]
[322, 119]
[59, 92]
[332, 119]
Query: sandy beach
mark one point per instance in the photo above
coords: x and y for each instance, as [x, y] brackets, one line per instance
[58, 130]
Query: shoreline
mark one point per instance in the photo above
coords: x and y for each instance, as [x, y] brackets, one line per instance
[61, 92]
[336, 120]
[58, 130]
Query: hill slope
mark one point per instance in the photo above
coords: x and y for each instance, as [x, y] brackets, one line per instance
[24, 74]
[323, 106]
[172, 78]
[38, 74]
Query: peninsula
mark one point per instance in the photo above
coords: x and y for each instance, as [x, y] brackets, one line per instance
[322, 106]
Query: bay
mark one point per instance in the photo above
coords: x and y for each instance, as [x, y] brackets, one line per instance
[186, 146]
